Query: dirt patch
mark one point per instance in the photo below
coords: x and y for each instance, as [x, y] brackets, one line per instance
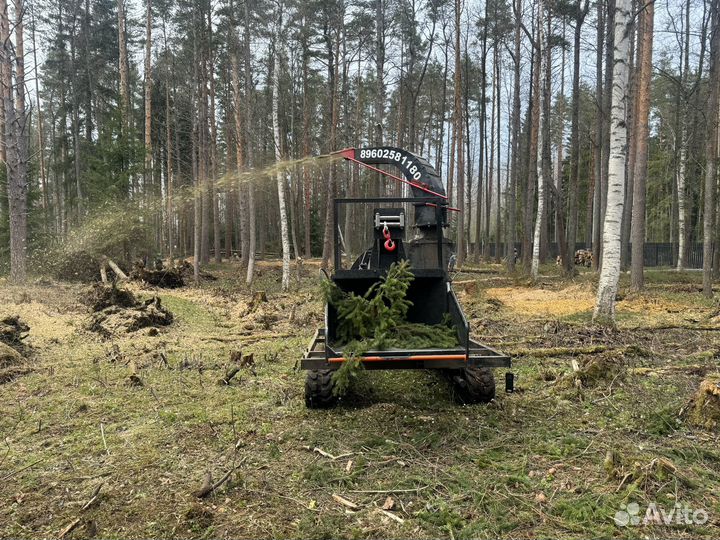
[651, 305]
[100, 297]
[9, 356]
[12, 364]
[114, 320]
[554, 303]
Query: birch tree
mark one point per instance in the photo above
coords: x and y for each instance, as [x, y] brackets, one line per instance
[280, 173]
[543, 119]
[612, 225]
[251, 217]
[683, 140]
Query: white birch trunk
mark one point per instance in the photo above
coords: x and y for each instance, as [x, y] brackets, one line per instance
[251, 231]
[682, 212]
[611, 241]
[535, 266]
[251, 217]
[280, 174]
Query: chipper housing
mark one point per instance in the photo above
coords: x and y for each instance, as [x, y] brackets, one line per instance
[469, 364]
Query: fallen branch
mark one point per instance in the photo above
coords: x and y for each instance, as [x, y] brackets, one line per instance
[705, 328]
[382, 491]
[561, 351]
[328, 455]
[69, 528]
[346, 503]
[391, 515]
[229, 374]
[93, 497]
[208, 486]
[246, 339]
[10, 475]
[102, 433]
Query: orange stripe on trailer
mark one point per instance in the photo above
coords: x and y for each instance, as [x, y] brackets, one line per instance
[412, 357]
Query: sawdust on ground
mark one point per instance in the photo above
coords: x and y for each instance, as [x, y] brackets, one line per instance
[526, 301]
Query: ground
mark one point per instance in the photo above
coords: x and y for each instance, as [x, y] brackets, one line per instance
[598, 424]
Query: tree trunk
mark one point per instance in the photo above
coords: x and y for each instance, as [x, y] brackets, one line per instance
[205, 173]
[333, 52]
[610, 272]
[280, 174]
[683, 111]
[607, 107]
[515, 176]
[239, 157]
[170, 210]
[479, 238]
[634, 63]
[196, 166]
[459, 142]
[147, 177]
[491, 163]
[711, 149]
[124, 80]
[574, 187]
[543, 57]
[251, 217]
[498, 217]
[380, 85]
[307, 116]
[16, 145]
[641, 137]
[213, 154]
[532, 162]
[599, 129]
[41, 133]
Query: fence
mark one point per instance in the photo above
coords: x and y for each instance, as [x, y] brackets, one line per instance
[655, 253]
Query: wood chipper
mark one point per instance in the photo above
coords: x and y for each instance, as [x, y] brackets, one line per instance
[432, 301]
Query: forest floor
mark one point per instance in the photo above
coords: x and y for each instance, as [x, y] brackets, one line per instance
[596, 423]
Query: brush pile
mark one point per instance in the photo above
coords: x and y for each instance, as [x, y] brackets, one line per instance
[116, 311]
[166, 277]
[704, 407]
[12, 362]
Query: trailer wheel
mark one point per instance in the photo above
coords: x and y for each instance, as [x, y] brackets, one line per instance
[474, 385]
[319, 389]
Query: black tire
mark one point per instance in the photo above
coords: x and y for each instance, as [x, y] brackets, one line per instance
[319, 389]
[474, 385]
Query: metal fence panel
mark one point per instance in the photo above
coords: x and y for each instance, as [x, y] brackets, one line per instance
[654, 253]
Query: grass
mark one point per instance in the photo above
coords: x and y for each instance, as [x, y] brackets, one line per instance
[531, 464]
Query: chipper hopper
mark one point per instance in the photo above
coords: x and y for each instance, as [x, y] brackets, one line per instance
[468, 365]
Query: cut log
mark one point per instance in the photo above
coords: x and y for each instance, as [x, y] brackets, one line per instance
[115, 268]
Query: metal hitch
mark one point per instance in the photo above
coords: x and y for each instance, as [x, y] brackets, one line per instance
[509, 382]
